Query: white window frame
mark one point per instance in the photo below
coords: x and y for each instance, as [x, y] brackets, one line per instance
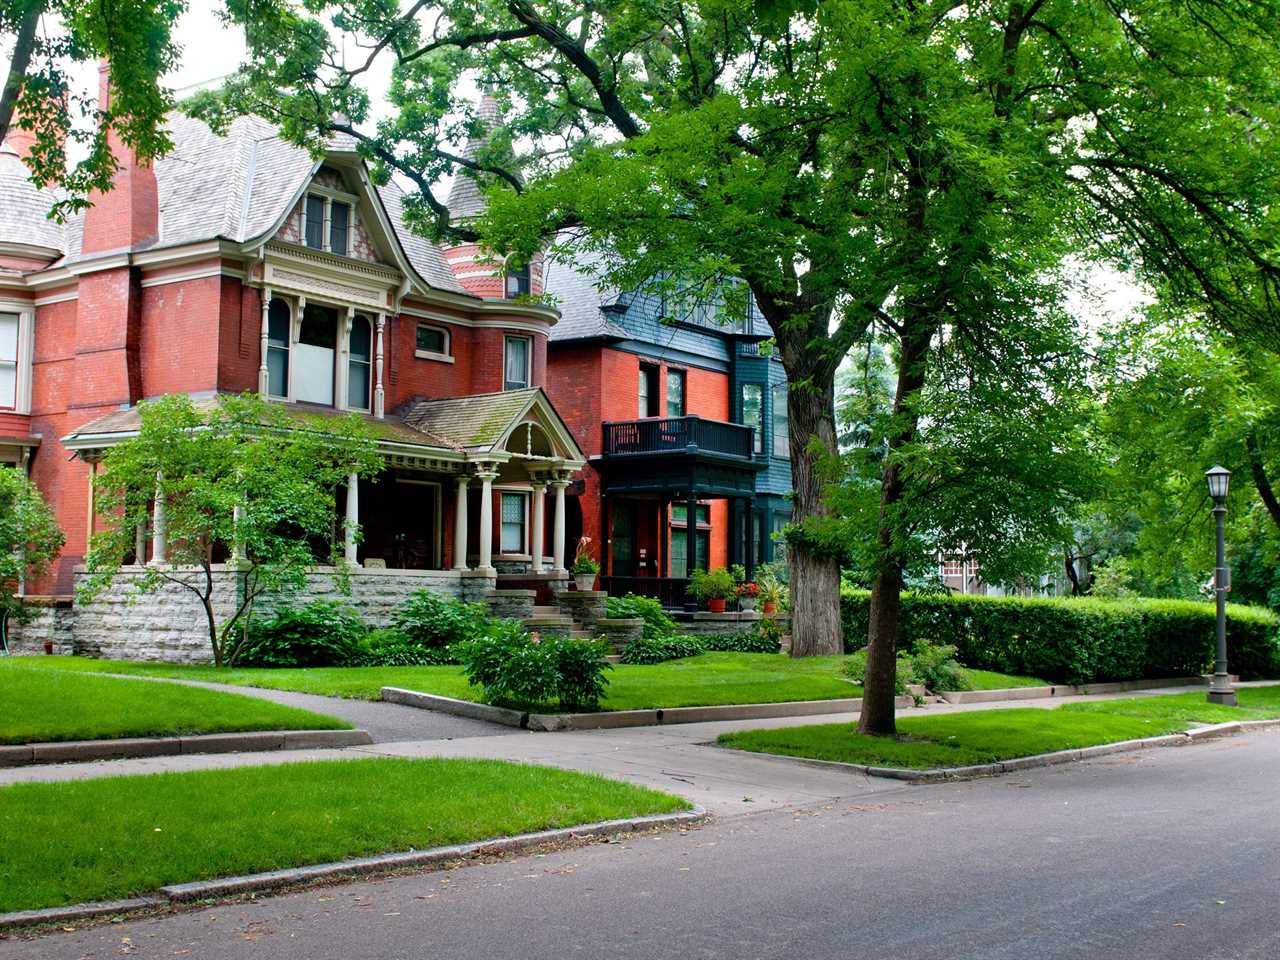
[348, 324]
[25, 312]
[330, 197]
[290, 336]
[447, 355]
[528, 361]
[525, 499]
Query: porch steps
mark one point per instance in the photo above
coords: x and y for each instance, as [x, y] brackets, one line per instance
[547, 610]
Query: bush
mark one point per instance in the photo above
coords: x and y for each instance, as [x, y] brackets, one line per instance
[515, 670]
[1080, 640]
[656, 622]
[660, 649]
[765, 638]
[324, 633]
[855, 668]
[391, 647]
[936, 666]
[433, 622]
[715, 584]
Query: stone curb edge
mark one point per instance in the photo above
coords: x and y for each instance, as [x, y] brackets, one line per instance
[1066, 690]
[947, 774]
[276, 879]
[613, 719]
[83, 751]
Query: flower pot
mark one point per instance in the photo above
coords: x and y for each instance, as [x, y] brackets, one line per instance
[716, 605]
[746, 604]
[48, 647]
[770, 606]
[585, 581]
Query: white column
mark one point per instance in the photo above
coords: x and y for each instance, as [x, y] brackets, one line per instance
[486, 519]
[537, 507]
[264, 378]
[352, 522]
[558, 535]
[343, 373]
[159, 528]
[140, 543]
[379, 396]
[460, 525]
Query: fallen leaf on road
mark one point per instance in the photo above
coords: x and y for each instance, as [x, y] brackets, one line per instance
[1179, 924]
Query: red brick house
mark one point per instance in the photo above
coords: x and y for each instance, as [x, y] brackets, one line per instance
[239, 263]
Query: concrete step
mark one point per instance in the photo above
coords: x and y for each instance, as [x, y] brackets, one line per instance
[546, 610]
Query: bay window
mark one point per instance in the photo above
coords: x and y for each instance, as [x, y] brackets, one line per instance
[8, 361]
[359, 363]
[315, 356]
[516, 364]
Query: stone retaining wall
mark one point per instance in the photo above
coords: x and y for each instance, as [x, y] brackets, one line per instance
[512, 604]
[620, 632]
[50, 621]
[585, 606]
[705, 623]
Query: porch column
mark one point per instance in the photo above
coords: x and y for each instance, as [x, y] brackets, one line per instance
[264, 378]
[460, 525]
[487, 476]
[159, 528]
[557, 549]
[691, 534]
[140, 543]
[539, 537]
[750, 512]
[92, 513]
[352, 522]
[379, 396]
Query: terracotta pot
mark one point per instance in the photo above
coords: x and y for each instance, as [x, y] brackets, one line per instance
[716, 605]
[585, 581]
[770, 606]
[48, 647]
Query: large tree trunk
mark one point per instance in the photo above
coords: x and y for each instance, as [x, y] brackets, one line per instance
[815, 576]
[22, 50]
[877, 715]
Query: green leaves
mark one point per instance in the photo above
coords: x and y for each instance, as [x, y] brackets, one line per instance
[30, 537]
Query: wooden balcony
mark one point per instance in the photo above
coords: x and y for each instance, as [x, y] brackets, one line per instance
[678, 435]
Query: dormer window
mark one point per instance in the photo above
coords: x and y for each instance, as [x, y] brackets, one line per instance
[518, 282]
[328, 224]
[339, 227]
[315, 222]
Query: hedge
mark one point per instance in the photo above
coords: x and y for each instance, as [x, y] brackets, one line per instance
[1079, 640]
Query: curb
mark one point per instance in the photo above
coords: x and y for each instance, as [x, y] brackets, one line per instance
[947, 774]
[83, 751]
[614, 719]
[362, 866]
[1065, 690]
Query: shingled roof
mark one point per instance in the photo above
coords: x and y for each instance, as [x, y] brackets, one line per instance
[473, 423]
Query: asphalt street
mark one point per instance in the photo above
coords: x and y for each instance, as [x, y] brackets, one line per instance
[1165, 854]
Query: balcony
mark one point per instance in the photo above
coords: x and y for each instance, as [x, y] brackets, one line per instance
[677, 435]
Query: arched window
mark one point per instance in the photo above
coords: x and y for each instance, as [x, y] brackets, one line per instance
[278, 318]
[358, 365]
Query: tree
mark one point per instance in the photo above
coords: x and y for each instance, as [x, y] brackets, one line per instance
[241, 479]
[29, 539]
[923, 166]
[37, 96]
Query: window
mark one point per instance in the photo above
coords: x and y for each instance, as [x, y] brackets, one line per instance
[648, 390]
[680, 554]
[516, 367]
[432, 340]
[781, 424]
[315, 222]
[278, 319]
[339, 227]
[518, 282]
[675, 393]
[513, 516]
[753, 412]
[8, 360]
[314, 356]
[359, 361]
[680, 510]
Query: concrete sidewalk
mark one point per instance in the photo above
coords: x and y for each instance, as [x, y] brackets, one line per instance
[677, 758]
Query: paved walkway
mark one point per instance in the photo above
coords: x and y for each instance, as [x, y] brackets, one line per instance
[678, 758]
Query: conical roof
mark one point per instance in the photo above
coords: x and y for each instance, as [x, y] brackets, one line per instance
[24, 211]
[465, 197]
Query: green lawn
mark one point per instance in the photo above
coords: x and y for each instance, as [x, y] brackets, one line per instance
[712, 678]
[990, 680]
[123, 836]
[42, 705]
[984, 736]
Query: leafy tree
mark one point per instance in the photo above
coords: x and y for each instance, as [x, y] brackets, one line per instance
[134, 35]
[922, 166]
[29, 538]
[242, 479]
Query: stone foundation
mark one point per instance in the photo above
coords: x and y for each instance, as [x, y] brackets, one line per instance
[585, 606]
[511, 604]
[704, 623]
[620, 632]
[50, 620]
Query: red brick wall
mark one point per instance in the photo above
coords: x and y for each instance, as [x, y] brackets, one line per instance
[181, 334]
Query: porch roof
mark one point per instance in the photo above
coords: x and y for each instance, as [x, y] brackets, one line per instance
[483, 423]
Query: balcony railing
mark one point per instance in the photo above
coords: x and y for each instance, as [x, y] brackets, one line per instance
[677, 434]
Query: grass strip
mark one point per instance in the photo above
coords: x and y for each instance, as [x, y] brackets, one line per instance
[985, 736]
[48, 705]
[124, 836]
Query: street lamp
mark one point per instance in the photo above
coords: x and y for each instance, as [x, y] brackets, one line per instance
[1219, 479]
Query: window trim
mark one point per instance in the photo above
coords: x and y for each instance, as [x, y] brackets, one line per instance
[447, 355]
[23, 351]
[682, 375]
[328, 197]
[525, 500]
[528, 362]
[352, 361]
[649, 377]
[290, 327]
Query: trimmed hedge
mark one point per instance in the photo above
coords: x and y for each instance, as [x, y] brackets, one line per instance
[1079, 640]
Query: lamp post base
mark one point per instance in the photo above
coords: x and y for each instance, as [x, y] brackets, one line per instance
[1220, 691]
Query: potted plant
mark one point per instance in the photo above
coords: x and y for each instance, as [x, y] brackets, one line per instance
[585, 566]
[747, 594]
[770, 592]
[715, 587]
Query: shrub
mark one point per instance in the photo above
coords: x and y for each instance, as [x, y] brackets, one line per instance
[660, 649]
[716, 584]
[765, 638]
[656, 622]
[324, 633]
[855, 668]
[434, 622]
[935, 666]
[1080, 640]
[391, 647]
[515, 670]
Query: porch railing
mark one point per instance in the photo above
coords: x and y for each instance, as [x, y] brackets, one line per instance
[674, 434]
[670, 591]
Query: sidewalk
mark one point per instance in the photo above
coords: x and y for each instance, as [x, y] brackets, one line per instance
[678, 758]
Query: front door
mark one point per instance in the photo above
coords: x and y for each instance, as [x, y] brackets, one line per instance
[624, 537]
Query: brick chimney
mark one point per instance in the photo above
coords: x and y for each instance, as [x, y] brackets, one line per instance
[127, 215]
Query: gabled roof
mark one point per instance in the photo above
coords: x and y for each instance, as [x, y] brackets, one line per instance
[483, 423]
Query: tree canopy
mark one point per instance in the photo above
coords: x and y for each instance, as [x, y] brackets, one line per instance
[29, 537]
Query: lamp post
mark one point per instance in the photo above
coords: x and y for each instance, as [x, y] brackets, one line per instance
[1220, 691]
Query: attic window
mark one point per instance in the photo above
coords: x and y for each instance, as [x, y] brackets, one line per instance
[327, 220]
[339, 224]
[315, 222]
